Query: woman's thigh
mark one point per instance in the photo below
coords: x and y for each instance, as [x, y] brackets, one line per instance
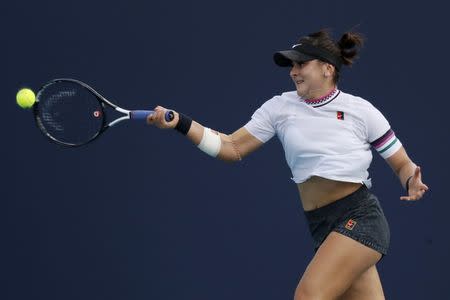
[338, 262]
[366, 287]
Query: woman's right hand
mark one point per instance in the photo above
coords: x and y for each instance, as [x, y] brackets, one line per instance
[158, 118]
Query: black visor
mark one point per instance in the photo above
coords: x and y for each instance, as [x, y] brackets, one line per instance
[305, 52]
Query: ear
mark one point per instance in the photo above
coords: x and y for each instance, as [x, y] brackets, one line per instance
[328, 70]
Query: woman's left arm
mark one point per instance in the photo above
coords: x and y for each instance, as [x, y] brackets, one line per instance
[402, 165]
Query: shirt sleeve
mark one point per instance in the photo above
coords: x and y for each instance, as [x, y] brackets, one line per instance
[261, 125]
[379, 133]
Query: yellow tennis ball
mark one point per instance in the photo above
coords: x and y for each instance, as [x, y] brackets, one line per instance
[25, 98]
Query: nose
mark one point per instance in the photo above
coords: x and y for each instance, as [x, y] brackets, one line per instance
[294, 70]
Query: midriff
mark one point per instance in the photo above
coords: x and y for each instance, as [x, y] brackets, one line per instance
[318, 191]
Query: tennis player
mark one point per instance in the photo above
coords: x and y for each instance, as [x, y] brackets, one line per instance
[327, 136]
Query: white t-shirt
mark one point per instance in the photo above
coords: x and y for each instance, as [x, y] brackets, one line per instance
[329, 137]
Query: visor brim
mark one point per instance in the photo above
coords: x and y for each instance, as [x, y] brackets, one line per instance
[285, 58]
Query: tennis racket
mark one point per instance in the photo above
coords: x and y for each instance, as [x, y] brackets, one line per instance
[71, 113]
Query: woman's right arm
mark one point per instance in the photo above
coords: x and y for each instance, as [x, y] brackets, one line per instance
[233, 146]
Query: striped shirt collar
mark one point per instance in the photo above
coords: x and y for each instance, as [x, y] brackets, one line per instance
[322, 100]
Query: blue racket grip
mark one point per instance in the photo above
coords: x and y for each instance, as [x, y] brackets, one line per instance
[143, 114]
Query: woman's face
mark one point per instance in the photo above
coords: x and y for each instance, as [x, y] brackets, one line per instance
[312, 78]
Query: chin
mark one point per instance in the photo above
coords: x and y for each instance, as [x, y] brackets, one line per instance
[301, 93]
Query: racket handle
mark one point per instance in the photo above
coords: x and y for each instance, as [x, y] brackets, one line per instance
[143, 114]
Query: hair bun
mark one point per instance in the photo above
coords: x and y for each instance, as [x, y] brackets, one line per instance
[348, 44]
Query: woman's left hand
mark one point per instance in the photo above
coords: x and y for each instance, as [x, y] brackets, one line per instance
[416, 187]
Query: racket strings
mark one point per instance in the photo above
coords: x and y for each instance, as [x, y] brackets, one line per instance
[69, 113]
[47, 116]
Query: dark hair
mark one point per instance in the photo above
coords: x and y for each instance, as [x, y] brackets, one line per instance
[346, 48]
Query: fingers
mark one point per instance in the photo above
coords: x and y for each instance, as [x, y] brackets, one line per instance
[414, 195]
[416, 187]
[417, 173]
[410, 198]
[423, 186]
[153, 118]
[158, 118]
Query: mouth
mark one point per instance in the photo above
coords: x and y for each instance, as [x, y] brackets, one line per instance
[298, 82]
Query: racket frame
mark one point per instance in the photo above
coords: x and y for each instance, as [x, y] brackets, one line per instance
[102, 100]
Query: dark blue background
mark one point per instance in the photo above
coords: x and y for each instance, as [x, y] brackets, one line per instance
[141, 213]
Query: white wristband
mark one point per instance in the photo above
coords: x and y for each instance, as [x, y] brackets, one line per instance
[210, 143]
